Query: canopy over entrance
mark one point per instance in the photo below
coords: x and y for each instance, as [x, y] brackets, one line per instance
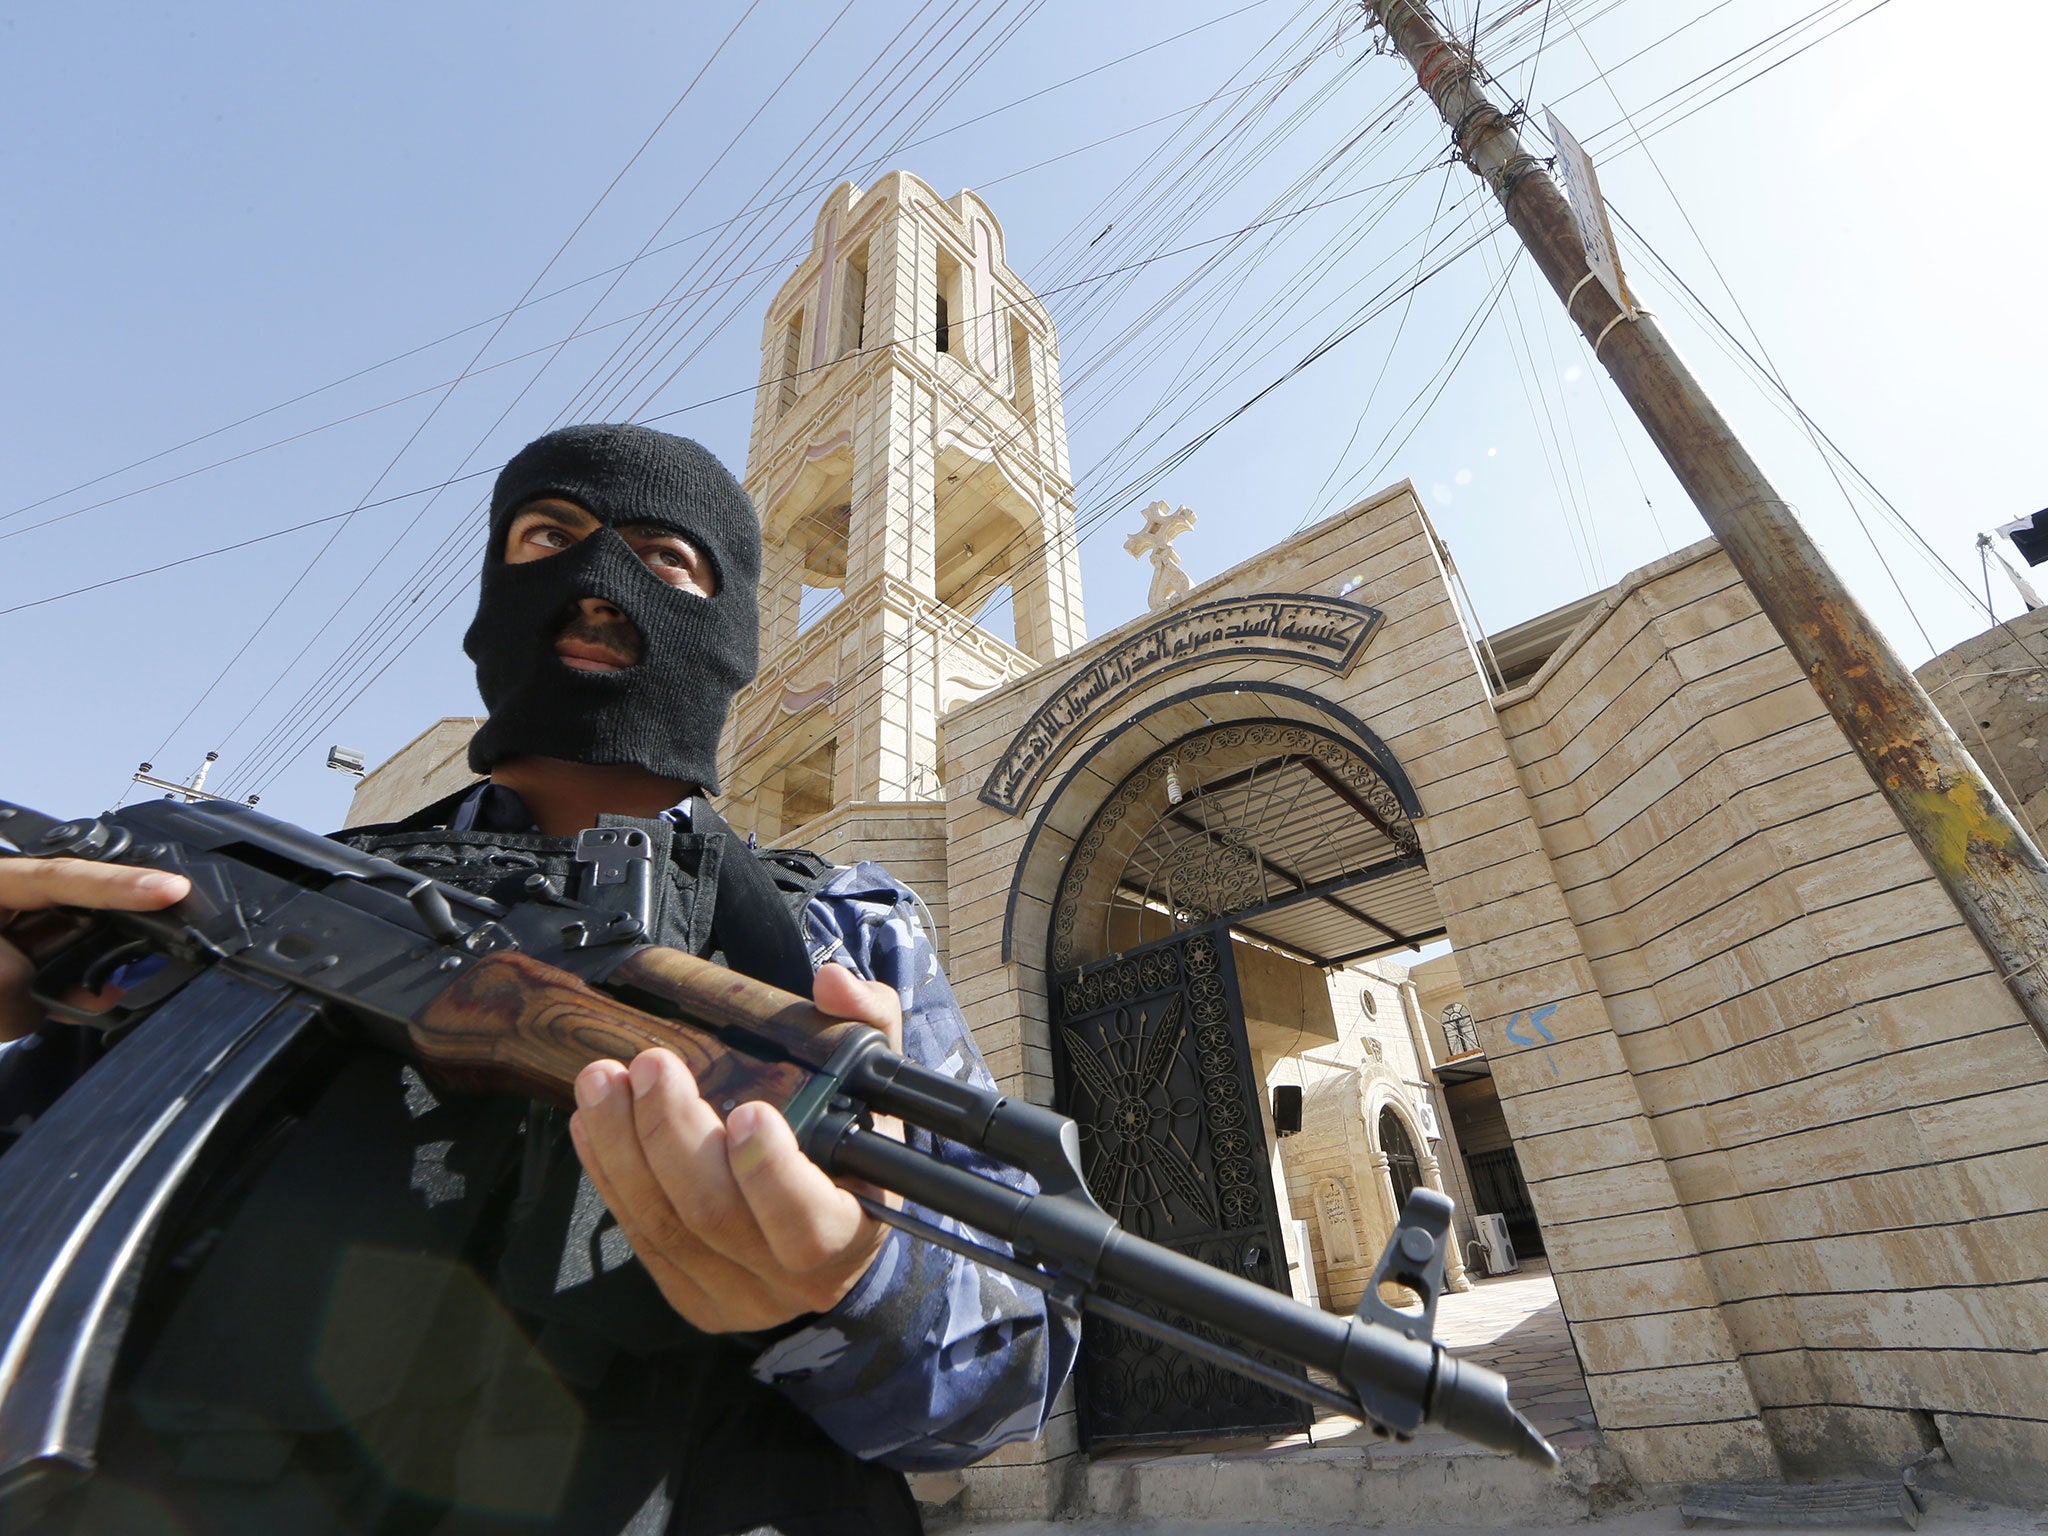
[1286, 829]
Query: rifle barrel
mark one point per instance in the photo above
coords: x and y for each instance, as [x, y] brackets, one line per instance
[1395, 1381]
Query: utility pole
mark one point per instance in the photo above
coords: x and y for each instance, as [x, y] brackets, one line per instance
[1985, 861]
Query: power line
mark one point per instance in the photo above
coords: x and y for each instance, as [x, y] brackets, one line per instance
[455, 592]
[711, 229]
[1092, 279]
[1672, 115]
[539, 277]
[1190, 447]
[226, 549]
[964, 75]
[440, 561]
[1372, 394]
[1095, 517]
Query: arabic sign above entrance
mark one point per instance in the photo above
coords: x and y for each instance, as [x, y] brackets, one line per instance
[1329, 632]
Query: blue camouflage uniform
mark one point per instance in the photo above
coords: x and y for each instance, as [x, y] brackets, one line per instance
[931, 1360]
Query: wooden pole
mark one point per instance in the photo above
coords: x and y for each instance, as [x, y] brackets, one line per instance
[1978, 851]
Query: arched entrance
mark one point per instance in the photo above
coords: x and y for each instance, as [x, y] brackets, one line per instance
[1276, 824]
[1404, 1165]
[1279, 835]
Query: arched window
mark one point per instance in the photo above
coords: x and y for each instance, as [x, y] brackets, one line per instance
[1404, 1168]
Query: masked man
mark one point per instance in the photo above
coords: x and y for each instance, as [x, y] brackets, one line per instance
[407, 1310]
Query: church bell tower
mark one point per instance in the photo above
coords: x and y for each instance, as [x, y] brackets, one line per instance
[909, 462]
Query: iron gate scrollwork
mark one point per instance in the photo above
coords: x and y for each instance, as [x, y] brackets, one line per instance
[1152, 1063]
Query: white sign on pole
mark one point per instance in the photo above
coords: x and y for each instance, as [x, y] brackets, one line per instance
[1589, 212]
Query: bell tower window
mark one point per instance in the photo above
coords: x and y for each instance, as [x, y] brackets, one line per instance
[853, 299]
[949, 312]
[792, 352]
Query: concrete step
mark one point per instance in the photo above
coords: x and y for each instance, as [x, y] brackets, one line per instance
[1435, 1481]
[1945, 1516]
[1360, 1485]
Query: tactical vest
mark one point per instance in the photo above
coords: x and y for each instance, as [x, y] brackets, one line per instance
[407, 1311]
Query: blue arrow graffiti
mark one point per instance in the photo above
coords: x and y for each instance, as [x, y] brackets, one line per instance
[1536, 1018]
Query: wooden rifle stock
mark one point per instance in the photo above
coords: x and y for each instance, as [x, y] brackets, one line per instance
[515, 1024]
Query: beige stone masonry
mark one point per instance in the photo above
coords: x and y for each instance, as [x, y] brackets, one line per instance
[1421, 693]
[1774, 956]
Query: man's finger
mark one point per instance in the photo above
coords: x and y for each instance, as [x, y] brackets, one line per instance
[684, 1142]
[839, 992]
[807, 1222]
[28, 885]
[608, 1145]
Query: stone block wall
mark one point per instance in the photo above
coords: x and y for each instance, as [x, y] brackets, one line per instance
[1421, 666]
[432, 765]
[1330, 1181]
[1778, 1117]
[1673, 1401]
[1328, 1175]
[1810, 1128]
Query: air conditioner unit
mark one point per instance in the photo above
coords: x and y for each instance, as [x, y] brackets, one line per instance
[1494, 1243]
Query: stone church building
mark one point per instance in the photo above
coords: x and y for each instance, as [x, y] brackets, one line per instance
[1715, 1039]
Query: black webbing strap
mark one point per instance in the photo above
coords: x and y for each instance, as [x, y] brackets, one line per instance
[752, 924]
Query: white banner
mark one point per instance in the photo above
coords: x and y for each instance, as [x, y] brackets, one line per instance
[1596, 235]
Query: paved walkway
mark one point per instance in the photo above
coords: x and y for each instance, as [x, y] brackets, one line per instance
[1514, 1324]
[1510, 1323]
[1340, 1474]
[1946, 1515]
[1341, 1478]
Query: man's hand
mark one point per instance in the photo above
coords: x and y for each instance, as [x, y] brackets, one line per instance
[739, 1229]
[34, 885]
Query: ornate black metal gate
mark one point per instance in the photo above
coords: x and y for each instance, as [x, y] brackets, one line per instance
[1152, 1062]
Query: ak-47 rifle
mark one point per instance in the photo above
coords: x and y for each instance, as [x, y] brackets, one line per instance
[287, 936]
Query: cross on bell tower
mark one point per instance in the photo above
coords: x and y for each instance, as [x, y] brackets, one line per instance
[909, 462]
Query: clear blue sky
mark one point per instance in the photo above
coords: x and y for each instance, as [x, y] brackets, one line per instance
[214, 209]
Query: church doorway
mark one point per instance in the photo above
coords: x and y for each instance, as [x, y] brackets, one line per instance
[1404, 1166]
[1197, 919]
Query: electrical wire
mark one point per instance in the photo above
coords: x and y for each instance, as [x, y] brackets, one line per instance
[740, 392]
[343, 525]
[444, 559]
[1219, 424]
[1111, 504]
[460, 589]
[1193, 446]
[1314, 512]
[225, 549]
[622, 266]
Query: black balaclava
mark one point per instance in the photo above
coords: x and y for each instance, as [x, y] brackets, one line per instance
[666, 712]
